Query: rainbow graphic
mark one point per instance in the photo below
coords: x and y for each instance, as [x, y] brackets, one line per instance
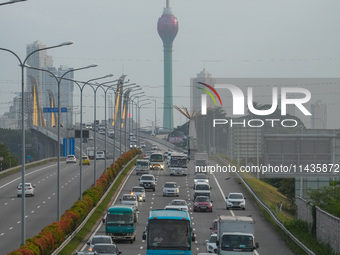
[204, 97]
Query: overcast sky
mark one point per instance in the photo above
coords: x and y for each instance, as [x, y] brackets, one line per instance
[240, 38]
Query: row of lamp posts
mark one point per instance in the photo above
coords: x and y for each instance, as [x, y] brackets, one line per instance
[81, 86]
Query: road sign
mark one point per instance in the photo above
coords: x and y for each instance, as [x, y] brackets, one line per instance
[54, 109]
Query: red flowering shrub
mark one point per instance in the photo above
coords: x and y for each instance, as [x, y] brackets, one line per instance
[53, 235]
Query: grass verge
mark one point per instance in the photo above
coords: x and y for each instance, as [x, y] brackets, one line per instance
[79, 238]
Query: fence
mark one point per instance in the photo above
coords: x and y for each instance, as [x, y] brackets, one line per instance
[327, 225]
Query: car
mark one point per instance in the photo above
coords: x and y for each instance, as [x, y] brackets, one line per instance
[154, 147]
[139, 192]
[213, 227]
[142, 145]
[203, 203]
[211, 244]
[201, 178]
[170, 189]
[99, 239]
[111, 133]
[179, 203]
[235, 200]
[90, 138]
[148, 181]
[29, 189]
[85, 160]
[107, 249]
[129, 199]
[201, 189]
[101, 131]
[71, 159]
[100, 155]
[133, 145]
[147, 155]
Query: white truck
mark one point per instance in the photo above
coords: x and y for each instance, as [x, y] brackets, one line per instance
[236, 236]
[201, 161]
[178, 164]
[90, 152]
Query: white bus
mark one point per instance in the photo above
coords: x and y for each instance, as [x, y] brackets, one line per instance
[178, 164]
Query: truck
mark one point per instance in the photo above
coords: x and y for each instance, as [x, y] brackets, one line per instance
[201, 161]
[90, 152]
[236, 236]
[121, 222]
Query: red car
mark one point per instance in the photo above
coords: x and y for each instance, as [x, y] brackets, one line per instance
[213, 227]
[203, 203]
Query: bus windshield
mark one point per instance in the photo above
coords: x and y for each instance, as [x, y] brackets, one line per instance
[119, 218]
[178, 162]
[169, 234]
[156, 158]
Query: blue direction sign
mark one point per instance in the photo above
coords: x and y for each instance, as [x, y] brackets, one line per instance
[54, 109]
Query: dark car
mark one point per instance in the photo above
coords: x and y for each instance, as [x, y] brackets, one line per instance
[105, 249]
[203, 203]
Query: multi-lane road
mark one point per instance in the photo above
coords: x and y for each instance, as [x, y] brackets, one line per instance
[270, 242]
[41, 209]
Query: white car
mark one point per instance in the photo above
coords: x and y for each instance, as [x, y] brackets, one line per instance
[139, 192]
[29, 189]
[142, 145]
[235, 200]
[100, 155]
[71, 159]
[201, 178]
[128, 199]
[170, 189]
[211, 244]
[179, 203]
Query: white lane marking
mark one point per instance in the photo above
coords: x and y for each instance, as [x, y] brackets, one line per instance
[19, 178]
[218, 185]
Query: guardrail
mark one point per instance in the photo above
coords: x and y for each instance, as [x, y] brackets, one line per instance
[274, 217]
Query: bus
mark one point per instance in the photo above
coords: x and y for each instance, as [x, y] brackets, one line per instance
[178, 164]
[156, 161]
[168, 232]
[121, 222]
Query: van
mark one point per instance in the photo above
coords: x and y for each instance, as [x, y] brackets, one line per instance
[142, 166]
[201, 189]
[100, 155]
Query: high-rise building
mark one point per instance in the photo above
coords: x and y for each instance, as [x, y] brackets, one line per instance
[167, 27]
[34, 84]
[50, 95]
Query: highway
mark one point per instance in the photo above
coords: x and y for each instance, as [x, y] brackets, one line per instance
[41, 209]
[270, 242]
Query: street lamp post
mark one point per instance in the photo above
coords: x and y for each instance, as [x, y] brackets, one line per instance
[12, 2]
[138, 116]
[137, 95]
[59, 79]
[81, 88]
[23, 200]
[127, 87]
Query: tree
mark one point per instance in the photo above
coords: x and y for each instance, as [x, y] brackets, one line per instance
[8, 159]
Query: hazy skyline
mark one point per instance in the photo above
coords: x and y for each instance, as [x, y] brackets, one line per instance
[227, 38]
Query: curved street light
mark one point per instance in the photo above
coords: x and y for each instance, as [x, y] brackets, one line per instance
[13, 2]
[23, 156]
[81, 88]
[59, 79]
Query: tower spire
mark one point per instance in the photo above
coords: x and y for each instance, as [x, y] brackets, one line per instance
[167, 3]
